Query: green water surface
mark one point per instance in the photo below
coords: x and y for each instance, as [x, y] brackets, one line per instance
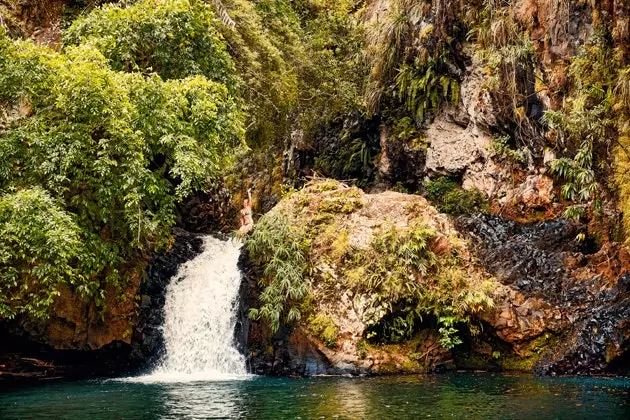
[468, 396]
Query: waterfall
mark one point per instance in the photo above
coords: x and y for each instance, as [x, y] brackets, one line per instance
[200, 311]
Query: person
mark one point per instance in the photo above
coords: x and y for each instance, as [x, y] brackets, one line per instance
[247, 221]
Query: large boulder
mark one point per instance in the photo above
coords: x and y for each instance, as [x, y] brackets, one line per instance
[559, 305]
[347, 315]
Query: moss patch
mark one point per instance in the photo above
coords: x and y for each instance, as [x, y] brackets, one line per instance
[324, 328]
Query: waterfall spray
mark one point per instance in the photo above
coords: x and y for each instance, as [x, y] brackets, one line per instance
[200, 316]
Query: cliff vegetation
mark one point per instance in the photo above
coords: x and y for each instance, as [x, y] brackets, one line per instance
[439, 123]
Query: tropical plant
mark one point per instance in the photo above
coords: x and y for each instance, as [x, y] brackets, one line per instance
[390, 43]
[586, 122]
[413, 51]
[508, 55]
[281, 250]
[423, 87]
[113, 151]
[175, 38]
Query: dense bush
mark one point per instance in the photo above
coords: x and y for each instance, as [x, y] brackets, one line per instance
[113, 151]
[174, 38]
[41, 247]
[144, 103]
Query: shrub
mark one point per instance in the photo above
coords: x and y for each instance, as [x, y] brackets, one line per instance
[413, 62]
[448, 197]
[41, 248]
[501, 147]
[341, 202]
[175, 38]
[281, 249]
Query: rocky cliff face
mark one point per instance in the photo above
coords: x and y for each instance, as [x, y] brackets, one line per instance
[39, 20]
[562, 306]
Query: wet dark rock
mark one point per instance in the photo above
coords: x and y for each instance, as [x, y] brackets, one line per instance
[528, 257]
[582, 300]
[335, 150]
[250, 274]
[207, 211]
[406, 164]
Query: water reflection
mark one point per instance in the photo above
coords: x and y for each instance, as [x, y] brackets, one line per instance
[407, 397]
[209, 400]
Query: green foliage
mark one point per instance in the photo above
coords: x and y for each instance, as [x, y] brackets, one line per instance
[420, 59]
[324, 328]
[175, 38]
[391, 267]
[586, 122]
[332, 78]
[279, 247]
[9, 17]
[41, 248]
[362, 348]
[299, 61]
[423, 87]
[506, 50]
[301, 69]
[501, 147]
[295, 65]
[115, 151]
[406, 131]
[406, 281]
[390, 43]
[262, 43]
[448, 197]
[448, 332]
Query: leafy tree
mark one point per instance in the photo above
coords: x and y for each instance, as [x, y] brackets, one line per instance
[41, 248]
[114, 151]
[175, 39]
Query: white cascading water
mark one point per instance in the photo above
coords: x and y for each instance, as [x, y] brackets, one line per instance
[200, 311]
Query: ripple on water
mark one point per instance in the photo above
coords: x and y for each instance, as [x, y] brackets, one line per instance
[408, 397]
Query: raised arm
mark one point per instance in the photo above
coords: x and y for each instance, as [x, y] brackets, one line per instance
[249, 196]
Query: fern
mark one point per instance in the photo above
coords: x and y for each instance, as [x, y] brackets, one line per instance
[281, 250]
[424, 88]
